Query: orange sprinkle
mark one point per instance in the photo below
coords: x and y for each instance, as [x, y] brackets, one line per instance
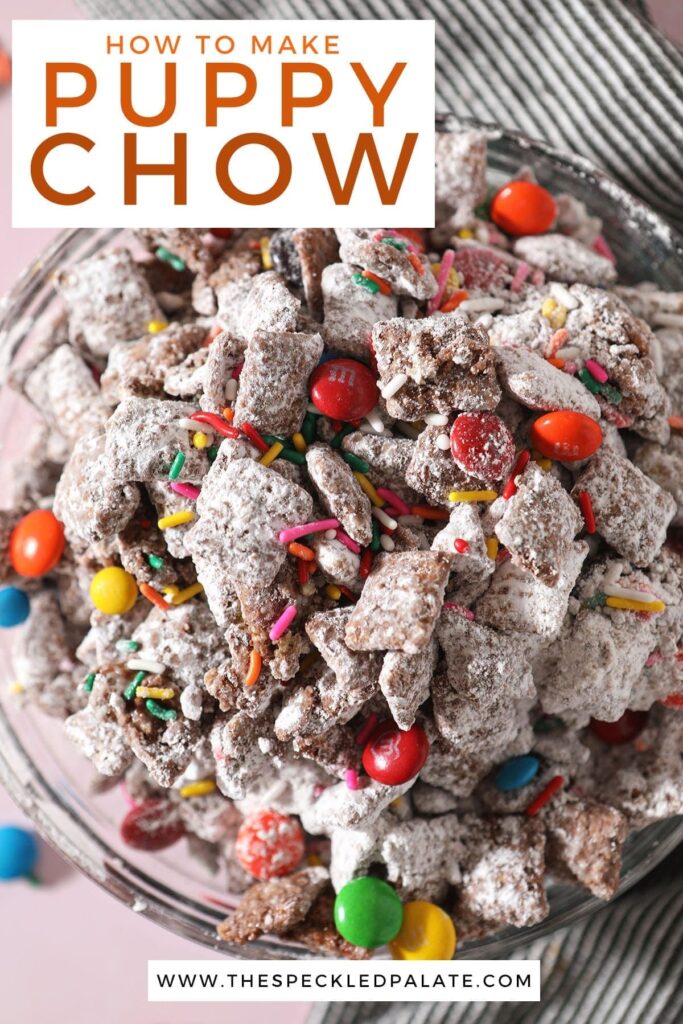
[454, 301]
[556, 342]
[228, 414]
[301, 551]
[213, 333]
[153, 595]
[554, 361]
[676, 422]
[5, 67]
[416, 262]
[255, 662]
[383, 285]
[429, 513]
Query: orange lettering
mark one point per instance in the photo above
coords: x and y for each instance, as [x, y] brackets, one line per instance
[132, 169]
[38, 169]
[290, 101]
[378, 99]
[127, 97]
[253, 198]
[214, 101]
[366, 144]
[53, 101]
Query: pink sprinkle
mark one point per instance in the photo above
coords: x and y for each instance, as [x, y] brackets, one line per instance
[237, 370]
[351, 778]
[317, 790]
[521, 274]
[602, 248]
[538, 278]
[654, 658]
[293, 532]
[126, 795]
[597, 371]
[394, 500]
[452, 606]
[556, 342]
[283, 623]
[187, 490]
[570, 367]
[364, 732]
[444, 269]
[347, 542]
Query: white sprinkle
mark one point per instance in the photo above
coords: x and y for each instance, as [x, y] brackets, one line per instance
[146, 665]
[667, 320]
[485, 304]
[656, 353]
[410, 520]
[365, 428]
[170, 302]
[194, 426]
[375, 421]
[407, 429]
[443, 442]
[569, 352]
[436, 419]
[485, 321]
[628, 594]
[231, 390]
[387, 543]
[394, 385]
[563, 295]
[330, 534]
[308, 588]
[613, 572]
[381, 516]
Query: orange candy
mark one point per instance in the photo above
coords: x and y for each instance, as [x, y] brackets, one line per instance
[523, 208]
[36, 543]
[566, 436]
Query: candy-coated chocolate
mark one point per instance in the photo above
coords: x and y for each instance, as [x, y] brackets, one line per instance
[482, 445]
[18, 852]
[343, 389]
[625, 729]
[36, 543]
[368, 912]
[427, 933]
[14, 607]
[523, 208]
[393, 756]
[269, 844]
[566, 436]
[113, 591]
[517, 772]
[152, 825]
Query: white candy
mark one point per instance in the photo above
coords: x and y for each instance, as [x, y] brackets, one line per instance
[146, 665]
[394, 385]
[381, 516]
[436, 419]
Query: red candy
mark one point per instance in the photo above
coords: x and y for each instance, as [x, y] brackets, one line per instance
[523, 208]
[392, 756]
[625, 729]
[482, 445]
[153, 825]
[481, 268]
[36, 543]
[269, 844]
[566, 436]
[343, 389]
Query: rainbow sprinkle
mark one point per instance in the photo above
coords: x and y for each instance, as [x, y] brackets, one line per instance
[282, 624]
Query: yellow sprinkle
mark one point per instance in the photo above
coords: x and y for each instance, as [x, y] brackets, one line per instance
[155, 692]
[313, 860]
[472, 496]
[15, 689]
[492, 547]
[299, 442]
[265, 254]
[465, 233]
[635, 606]
[554, 313]
[198, 788]
[171, 589]
[369, 489]
[177, 519]
[156, 326]
[542, 462]
[181, 596]
[548, 307]
[453, 281]
[333, 592]
[271, 454]
[200, 440]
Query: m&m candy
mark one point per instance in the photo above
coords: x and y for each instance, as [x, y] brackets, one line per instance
[523, 208]
[152, 825]
[392, 756]
[368, 912]
[113, 591]
[14, 607]
[517, 772]
[625, 729]
[36, 543]
[427, 933]
[482, 445]
[343, 389]
[269, 844]
[566, 436]
[18, 852]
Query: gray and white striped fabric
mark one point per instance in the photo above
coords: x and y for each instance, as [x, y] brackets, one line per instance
[591, 77]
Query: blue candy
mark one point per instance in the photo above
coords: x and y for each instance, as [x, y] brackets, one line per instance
[14, 607]
[517, 772]
[18, 852]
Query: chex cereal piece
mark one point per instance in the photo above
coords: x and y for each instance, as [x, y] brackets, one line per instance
[400, 603]
[565, 259]
[387, 456]
[63, 389]
[421, 857]
[225, 352]
[237, 264]
[447, 361]
[318, 932]
[460, 177]
[512, 850]
[631, 511]
[273, 385]
[209, 816]
[351, 311]
[538, 384]
[471, 567]
[353, 851]
[428, 799]
[664, 465]
[97, 730]
[43, 659]
[392, 265]
[240, 761]
[143, 438]
[583, 843]
[433, 471]
[186, 380]
[190, 245]
[317, 707]
[182, 641]
[482, 664]
[317, 248]
[89, 503]
[226, 682]
[108, 299]
[539, 524]
[453, 769]
[646, 301]
[341, 807]
[274, 906]
[517, 601]
[472, 726]
[334, 750]
[357, 671]
[669, 342]
[165, 748]
[405, 681]
[140, 367]
[340, 493]
[269, 306]
[527, 330]
[337, 563]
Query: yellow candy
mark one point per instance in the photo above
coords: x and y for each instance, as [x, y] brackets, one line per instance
[113, 591]
[427, 933]
[299, 442]
[200, 788]
[156, 326]
[200, 440]
[465, 233]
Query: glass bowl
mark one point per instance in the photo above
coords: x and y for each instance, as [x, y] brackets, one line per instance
[52, 783]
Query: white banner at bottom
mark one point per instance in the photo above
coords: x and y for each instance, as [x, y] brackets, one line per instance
[238, 981]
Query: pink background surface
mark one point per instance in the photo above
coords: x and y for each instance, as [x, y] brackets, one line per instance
[68, 951]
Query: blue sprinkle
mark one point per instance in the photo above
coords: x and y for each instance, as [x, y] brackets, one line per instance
[14, 607]
[18, 852]
[517, 772]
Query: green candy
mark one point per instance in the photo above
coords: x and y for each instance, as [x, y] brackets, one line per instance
[368, 912]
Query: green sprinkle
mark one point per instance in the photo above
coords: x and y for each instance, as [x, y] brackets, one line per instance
[88, 684]
[273, 439]
[612, 394]
[341, 434]
[176, 466]
[155, 561]
[170, 258]
[308, 428]
[596, 601]
[394, 243]
[129, 691]
[365, 282]
[156, 709]
[590, 382]
[298, 458]
[212, 452]
[375, 543]
[127, 645]
[548, 723]
[355, 463]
